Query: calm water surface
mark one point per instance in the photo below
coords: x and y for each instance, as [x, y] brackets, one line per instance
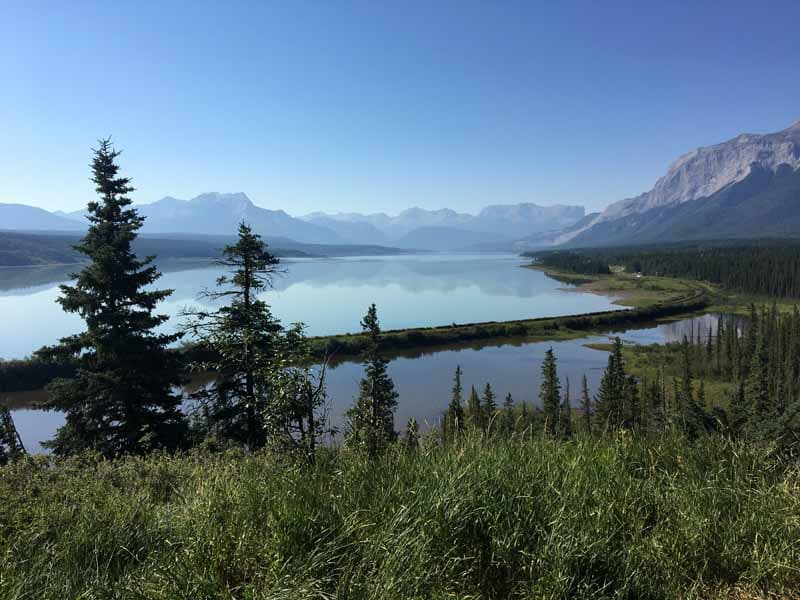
[424, 382]
[331, 296]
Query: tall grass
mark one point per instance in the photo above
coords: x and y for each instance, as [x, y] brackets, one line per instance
[532, 518]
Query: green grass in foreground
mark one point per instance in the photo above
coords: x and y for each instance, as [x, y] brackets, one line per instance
[593, 518]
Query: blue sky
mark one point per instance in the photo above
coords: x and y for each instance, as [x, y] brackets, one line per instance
[378, 106]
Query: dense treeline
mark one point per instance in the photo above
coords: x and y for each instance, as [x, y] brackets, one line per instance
[757, 359]
[764, 268]
[583, 263]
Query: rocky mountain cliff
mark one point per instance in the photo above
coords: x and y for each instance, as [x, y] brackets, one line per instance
[726, 183]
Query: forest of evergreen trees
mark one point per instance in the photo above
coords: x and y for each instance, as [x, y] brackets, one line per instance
[757, 358]
[767, 268]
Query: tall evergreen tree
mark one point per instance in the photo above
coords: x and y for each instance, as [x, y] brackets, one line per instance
[550, 393]
[691, 417]
[11, 448]
[371, 419]
[565, 415]
[489, 405]
[508, 416]
[610, 396]
[241, 343]
[739, 409]
[632, 406]
[122, 399]
[655, 405]
[757, 392]
[475, 410]
[454, 418]
[701, 394]
[586, 405]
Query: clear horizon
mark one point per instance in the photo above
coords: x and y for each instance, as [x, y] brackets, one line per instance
[370, 108]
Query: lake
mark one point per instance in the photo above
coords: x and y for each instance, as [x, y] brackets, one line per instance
[331, 295]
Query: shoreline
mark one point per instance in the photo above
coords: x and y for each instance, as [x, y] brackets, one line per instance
[663, 300]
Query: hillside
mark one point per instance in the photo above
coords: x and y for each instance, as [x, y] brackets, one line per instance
[746, 187]
[31, 218]
[764, 204]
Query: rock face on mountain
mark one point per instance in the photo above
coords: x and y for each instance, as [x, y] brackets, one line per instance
[746, 186]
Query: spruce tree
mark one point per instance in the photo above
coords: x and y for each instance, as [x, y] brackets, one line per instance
[11, 447]
[370, 421]
[586, 405]
[656, 405]
[691, 416]
[475, 410]
[489, 405]
[739, 410]
[241, 344]
[633, 415]
[610, 395]
[508, 415]
[757, 396]
[121, 400]
[550, 393]
[565, 415]
[454, 418]
[684, 397]
[701, 394]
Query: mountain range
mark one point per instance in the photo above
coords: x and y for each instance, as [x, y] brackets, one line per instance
[499, 221]
[219, 214]
[748, 186]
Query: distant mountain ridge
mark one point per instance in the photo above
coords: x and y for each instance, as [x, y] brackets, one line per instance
[415, 228]
[748, 186]
[217, 213]
[21, 217]
[499, 221]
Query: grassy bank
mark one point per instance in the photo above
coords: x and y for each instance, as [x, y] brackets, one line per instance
[680, 300]
[633, 291]
[593, 518]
